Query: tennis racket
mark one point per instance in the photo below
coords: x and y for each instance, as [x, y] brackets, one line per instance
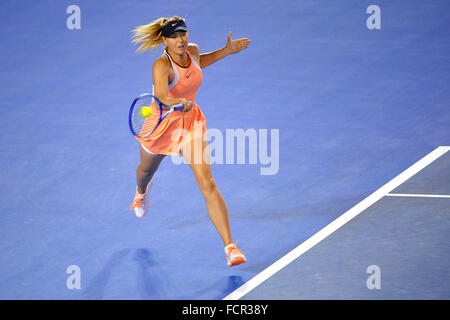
[147, 112]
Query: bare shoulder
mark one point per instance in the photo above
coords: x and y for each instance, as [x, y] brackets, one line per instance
[162, 64]
[194, 49]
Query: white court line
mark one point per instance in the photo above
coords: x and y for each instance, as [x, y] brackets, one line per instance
[336, 224]
[417, 195]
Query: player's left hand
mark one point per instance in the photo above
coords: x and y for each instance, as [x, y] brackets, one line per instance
[235, 46]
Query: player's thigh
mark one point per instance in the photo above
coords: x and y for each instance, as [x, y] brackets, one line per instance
[200, 165]
[150, 162]
[195, 149]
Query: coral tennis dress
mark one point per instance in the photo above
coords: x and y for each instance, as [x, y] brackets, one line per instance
[179, 127]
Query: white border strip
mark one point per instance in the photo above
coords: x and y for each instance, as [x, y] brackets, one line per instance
[417, 195]
[336, 224]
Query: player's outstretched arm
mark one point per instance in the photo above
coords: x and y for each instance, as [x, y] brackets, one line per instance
[231, 47]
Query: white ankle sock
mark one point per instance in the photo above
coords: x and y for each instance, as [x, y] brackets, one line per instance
[139, 192]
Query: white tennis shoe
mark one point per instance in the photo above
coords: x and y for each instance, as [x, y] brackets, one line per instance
[141, 202]
[234, 255]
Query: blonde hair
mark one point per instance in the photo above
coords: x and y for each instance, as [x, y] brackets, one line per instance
[151, 34]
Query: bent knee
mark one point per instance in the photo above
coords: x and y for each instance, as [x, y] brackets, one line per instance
[208, 186]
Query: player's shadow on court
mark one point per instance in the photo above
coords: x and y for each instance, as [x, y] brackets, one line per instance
[220, 288]
[96, 288]
[148, 282]
[149, 285]
[233, 282]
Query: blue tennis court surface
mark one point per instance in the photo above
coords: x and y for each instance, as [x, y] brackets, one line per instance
[342, 109]
[403, 236]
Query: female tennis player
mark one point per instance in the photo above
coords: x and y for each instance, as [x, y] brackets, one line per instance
[177, 75]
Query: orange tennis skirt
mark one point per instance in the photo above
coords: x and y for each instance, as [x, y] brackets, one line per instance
[177, 129]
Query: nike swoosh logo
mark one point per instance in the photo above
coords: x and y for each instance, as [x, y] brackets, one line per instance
[174, 24]
[188, 75]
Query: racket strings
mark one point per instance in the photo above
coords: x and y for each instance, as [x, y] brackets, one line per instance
[144, 125]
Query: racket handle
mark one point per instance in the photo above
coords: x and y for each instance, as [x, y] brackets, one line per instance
[178, 107]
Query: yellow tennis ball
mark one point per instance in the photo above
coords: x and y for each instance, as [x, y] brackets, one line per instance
[146, 112]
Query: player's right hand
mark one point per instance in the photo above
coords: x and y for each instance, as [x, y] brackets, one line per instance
[188, 105]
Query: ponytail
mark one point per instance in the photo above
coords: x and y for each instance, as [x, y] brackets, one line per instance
[150, 35]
